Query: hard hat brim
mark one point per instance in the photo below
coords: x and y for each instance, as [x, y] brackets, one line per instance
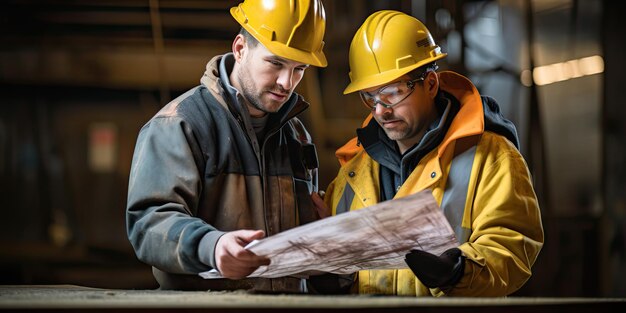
[316, 58]
[387, 76]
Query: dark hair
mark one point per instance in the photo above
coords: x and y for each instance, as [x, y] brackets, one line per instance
[250, 40]
[423, 70]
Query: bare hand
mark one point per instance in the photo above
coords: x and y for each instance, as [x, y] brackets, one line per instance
[232, 260]
[322, 210]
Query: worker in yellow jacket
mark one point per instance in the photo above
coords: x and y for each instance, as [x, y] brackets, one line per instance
[430, 130]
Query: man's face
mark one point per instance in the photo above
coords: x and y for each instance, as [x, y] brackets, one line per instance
[267, 80]
[407, 121]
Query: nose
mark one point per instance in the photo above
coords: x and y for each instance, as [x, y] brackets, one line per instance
[380, 109]
[285, 79]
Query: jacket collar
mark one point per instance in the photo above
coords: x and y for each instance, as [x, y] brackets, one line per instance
[385, 151]
[469, 121]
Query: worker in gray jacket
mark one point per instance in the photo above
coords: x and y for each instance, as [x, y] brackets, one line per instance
[228, 162]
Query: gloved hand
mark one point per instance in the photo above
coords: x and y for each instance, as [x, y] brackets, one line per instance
[433, 271]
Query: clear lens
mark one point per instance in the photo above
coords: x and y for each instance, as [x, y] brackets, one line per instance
[368, 100]
[393, 93]
[389, 95]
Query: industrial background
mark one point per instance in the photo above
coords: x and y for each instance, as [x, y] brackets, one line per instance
[78, 79]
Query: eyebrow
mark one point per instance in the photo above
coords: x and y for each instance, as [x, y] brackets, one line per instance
[283, 60]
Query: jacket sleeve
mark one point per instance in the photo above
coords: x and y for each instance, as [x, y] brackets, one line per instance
[163, 195]
[507, 233]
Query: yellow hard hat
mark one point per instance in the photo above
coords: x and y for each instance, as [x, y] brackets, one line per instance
[293, 29]
[388, 45]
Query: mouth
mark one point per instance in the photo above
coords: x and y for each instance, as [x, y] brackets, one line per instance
[278, 96]
[390, 124]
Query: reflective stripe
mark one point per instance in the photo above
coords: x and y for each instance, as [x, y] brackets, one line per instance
[455, 194]
[346, 200]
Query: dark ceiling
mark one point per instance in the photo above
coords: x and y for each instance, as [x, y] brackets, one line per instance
[83, 22]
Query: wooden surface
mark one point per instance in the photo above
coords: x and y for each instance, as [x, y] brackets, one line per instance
[61, 298]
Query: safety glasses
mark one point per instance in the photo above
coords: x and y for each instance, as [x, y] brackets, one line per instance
[390, 95]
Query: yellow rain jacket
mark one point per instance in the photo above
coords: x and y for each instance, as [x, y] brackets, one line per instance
[499, 222]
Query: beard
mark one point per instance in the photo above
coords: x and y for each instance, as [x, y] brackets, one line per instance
[399, 132]
[255, 97]
[404, 132]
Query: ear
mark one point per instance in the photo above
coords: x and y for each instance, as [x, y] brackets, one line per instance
[431, 81]
[239, 47]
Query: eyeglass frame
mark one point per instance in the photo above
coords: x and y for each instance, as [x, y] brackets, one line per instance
[410, 84]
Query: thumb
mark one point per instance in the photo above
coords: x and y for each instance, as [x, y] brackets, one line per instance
[249, 235]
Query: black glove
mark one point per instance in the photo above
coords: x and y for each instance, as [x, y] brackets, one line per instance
[433, 271]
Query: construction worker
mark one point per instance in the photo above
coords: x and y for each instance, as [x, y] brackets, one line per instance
[430, 130]
[228, 162]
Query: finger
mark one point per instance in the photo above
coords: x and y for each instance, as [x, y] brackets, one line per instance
[242, 265]
[239, 254]
[232, 266]
[246, 236]
[252, 259]
[315, 197]
[322, 210]
[229, 251]
[264, 261]
[231, 257]
[240, 273]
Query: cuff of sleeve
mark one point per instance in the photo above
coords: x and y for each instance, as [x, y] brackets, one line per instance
[206, 248]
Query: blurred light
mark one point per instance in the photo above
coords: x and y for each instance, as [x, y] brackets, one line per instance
[454, 47]
[444, 19]
[557, 72]
[526, 78]
[591, 65]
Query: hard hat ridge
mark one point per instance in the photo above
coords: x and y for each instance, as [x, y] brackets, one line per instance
[293, 29]
[387, 46]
